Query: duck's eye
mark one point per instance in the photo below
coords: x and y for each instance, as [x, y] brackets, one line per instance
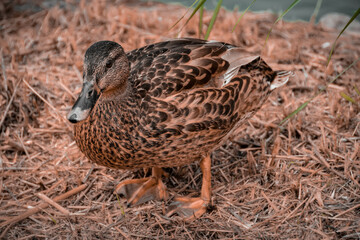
[109, 64]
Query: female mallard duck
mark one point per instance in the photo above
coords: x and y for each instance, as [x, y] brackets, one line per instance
[164, 105]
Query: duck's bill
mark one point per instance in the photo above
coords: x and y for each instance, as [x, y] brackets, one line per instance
[84, 104]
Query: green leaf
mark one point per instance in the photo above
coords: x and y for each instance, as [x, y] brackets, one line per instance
[334, 44]
[237, 22]
[281, 16]
[347, 97]
[213, 18]
[295, 112]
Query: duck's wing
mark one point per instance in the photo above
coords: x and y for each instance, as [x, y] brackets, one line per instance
[167, 68]
[208, 111]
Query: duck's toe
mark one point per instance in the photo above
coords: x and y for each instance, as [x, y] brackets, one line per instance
[138, 191]
[188, 208]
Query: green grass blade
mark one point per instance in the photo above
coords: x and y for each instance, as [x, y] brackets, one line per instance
[347, 97]
[52, 219]
[192, 5]
[201, 15]
[121, 206]
[213, 18]
[201, 3]
[334, 44]
[295, 112]
[316, 11]
[348, 67]
[308, 101]
[357, 90]
[281, 16]
[237, 22]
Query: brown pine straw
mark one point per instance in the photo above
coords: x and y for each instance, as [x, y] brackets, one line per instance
[42, 206]
[300, 180]
[53, 203]
[9, 104]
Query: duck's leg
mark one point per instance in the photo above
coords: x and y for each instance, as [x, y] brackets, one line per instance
[138, 191]
[192, 208]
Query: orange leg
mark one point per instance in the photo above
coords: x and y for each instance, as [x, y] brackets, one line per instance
[138, 191]
[192, 208]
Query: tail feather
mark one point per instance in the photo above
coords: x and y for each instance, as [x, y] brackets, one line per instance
[281, 78]
[236, 57]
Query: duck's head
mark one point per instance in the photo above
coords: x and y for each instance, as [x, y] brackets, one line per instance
[106, 70]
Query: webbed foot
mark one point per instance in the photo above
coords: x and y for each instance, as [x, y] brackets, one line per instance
[138, 191]
[192, 208]
[188, 208]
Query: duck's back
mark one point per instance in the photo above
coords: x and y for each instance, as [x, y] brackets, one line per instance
[167, 68]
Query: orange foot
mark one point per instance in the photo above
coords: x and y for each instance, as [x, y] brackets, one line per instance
[138, 191]
[191, 208]
[188, 208]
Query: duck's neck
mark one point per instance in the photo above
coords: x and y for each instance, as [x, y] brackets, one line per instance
[117, 93]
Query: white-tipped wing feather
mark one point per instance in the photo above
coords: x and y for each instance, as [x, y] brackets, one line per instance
[236, 57]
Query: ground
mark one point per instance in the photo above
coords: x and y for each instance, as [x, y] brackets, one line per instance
[297, 180]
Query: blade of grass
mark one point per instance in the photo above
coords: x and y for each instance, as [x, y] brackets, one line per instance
[192, 5]
[337, 76]
[237, 22]
[201, 15]
[317, 94]
[348, 23]
[347, 97]
[295, 112]
[213, 19]
[357, 90]
[316, 11]
[201, 3]
[280, 17]
[121, 206]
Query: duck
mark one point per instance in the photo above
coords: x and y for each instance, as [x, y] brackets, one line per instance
[167, 104]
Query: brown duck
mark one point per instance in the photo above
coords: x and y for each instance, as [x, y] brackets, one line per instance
[163, 105]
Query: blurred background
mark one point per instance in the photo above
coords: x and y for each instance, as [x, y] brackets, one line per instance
[302, 11]
[331, 13]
